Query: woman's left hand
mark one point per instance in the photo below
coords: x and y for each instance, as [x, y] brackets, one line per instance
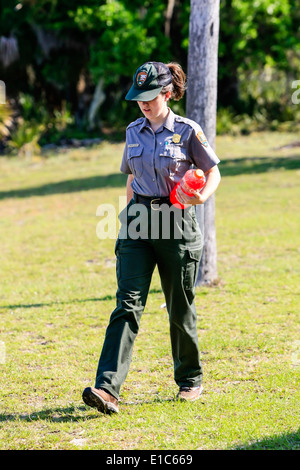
[183, 198]
[213, 178]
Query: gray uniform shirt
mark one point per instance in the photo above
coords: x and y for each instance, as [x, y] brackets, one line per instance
[158, 160]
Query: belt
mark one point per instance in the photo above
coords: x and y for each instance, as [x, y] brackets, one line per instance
[148, 201]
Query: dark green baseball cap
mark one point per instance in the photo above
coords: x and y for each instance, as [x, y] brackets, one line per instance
[148, 81]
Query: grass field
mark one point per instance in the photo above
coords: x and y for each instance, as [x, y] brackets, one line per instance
[58, 290]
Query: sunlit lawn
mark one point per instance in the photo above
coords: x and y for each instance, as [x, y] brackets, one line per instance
[58, 290]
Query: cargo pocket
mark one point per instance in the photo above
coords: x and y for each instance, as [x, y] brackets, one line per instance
[191, 268]
[135, 161]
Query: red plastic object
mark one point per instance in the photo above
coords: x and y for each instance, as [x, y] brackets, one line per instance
[193, 179]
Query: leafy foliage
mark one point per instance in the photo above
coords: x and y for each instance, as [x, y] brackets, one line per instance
[66, 47]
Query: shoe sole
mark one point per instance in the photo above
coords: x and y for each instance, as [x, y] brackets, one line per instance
[90, 398]
[179, 398]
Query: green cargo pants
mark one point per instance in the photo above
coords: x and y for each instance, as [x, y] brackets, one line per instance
[177, 255]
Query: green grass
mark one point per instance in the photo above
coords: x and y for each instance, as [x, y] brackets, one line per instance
[58, 290]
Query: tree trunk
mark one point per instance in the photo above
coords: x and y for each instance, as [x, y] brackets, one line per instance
[97, 101]
[169, 14]
[202, 108]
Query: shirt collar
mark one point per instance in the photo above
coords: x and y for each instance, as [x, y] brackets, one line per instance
[168, 124]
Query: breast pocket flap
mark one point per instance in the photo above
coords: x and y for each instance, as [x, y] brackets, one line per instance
[135, 152]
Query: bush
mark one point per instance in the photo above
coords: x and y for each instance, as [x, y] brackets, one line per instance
[24, 140]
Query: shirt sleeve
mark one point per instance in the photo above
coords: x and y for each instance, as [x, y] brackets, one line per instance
[200, 151]
[124, 164]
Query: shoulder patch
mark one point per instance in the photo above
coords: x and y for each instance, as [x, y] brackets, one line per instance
[202, 138]
[195, 127]
[135, 123]
[189, 122]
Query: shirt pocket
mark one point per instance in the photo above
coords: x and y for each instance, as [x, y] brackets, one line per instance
[174, 161]
[135, 160]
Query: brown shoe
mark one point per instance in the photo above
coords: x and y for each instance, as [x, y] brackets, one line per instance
[189, 393]
[98, 398]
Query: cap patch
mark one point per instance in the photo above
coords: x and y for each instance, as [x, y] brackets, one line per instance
[141, 78]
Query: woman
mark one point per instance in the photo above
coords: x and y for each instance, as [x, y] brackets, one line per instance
[159, 149]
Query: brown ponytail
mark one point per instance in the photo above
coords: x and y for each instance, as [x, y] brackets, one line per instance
[178, 85]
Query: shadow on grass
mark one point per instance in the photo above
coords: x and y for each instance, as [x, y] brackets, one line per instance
[49, 304]
[288, 441]
[230, 167]
[238, 166]
[66, 302]
[73, 413]
[114, 180]
[54, 415]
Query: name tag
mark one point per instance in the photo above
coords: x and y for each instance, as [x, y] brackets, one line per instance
[133, 145]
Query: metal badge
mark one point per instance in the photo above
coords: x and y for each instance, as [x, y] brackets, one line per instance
[176, 138]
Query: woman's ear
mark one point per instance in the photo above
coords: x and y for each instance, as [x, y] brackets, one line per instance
[167, 95]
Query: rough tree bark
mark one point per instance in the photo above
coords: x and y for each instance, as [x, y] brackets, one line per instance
[202, 108]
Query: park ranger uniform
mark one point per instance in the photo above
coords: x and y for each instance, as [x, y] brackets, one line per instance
[158, 160]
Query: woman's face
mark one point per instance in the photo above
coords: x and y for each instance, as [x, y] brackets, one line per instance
[156, 109]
